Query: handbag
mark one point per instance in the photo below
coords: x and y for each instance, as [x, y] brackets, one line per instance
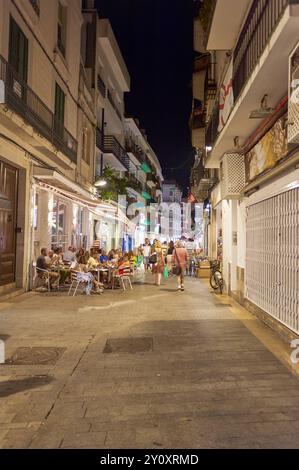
[153, 259]
[177, 270]
[165, 272]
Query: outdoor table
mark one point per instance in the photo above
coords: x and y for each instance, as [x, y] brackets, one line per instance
[99, 271]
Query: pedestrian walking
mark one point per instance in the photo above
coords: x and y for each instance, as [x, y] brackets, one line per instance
[180, 260]
[158, 267]
[169, 255]
[146, 253]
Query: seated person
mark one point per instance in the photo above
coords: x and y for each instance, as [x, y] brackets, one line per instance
[69, 255]
[132, 258]
[104, 258]
[49, 257]
[82, 256]
[57, 257]
[124, 262]
[42, 265]
[92, 262]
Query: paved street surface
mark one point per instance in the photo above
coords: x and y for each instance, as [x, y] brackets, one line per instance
[186, 370]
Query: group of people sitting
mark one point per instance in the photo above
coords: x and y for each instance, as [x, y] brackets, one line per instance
[59, 265]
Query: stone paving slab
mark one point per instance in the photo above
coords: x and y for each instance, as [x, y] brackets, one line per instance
[208, 382]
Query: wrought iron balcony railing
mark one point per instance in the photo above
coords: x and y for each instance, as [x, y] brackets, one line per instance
[132, 147]
[24, 101]
[111, 145]
[261, 22]
[101, 86]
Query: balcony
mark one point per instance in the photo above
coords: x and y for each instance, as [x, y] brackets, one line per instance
[270, 31]
[138, 153]
[199, 78]
[20, 98]
[112, 147]
[222, 20]
[134, 183]
[112, 102]
[101, 86]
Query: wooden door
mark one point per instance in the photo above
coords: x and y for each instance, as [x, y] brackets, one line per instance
[8, 202]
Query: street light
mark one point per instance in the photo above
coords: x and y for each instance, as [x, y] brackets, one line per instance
[100, 183]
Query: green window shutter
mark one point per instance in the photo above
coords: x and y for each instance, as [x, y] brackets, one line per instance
[18, 50]
[59, 104]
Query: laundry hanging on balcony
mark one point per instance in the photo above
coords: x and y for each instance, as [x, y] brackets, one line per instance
[226, 98]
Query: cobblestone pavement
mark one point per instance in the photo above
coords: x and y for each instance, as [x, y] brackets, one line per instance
[210, 375]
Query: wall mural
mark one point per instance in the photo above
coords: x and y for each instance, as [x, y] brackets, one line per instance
[268, 151]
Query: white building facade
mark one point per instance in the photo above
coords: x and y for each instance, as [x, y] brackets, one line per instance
[252, 137]
[61, 121]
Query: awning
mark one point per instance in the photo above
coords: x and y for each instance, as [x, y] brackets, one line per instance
[53, 181]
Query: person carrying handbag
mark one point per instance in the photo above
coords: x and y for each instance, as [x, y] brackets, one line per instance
[179, 259]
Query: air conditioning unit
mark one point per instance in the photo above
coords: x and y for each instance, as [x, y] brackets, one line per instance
[293, 110]
[232, 175]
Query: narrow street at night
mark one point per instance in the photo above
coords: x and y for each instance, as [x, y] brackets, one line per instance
[149, 232]
[189, 370]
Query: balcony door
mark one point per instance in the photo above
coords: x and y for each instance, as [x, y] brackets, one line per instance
[18, 67]
[18, 50]
[8, 202]
[59, 111]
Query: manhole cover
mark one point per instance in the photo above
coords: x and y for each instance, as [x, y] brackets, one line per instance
[36, 356]
[128, 345]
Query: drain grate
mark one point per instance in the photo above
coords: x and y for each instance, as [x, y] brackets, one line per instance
[128, 345]
[36, 356]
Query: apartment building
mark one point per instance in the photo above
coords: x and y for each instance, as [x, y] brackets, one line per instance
[39, 83]
[120, 144]
[171, 219]
[251, 136]
[62, 85]
[145, 181]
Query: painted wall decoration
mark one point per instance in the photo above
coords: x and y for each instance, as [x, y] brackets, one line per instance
[268, 151]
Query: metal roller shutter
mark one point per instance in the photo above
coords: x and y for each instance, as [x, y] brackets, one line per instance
[272, 257]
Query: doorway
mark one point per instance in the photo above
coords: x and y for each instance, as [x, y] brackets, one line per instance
[8, 203]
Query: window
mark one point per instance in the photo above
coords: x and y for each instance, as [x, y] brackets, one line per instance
[61, 32]
[35, 213]
[85, 145]
[18, 50]
[59, 109]
[59, 236]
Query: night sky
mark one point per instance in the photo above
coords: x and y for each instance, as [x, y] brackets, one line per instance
[156, 40]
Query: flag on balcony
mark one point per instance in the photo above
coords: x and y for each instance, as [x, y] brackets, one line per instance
[226, 98]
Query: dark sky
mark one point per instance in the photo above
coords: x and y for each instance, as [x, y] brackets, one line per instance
[156, 39]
